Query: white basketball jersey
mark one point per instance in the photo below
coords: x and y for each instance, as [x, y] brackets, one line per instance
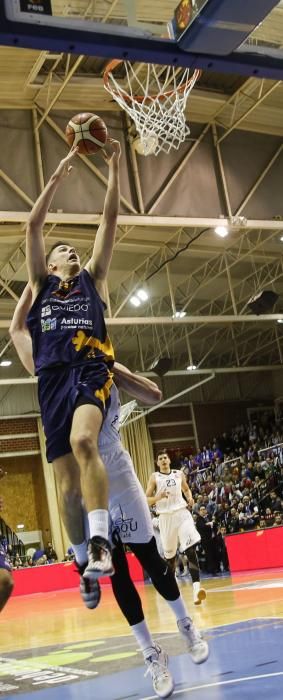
[172, 484]
[109, 433]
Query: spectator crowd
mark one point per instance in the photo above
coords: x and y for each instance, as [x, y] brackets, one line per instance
[34, 557]
[237, 485]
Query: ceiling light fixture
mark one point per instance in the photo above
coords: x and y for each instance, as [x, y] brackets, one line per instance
[179, 314]
[221, 231]
[5, 363]
[135, 301]
[142, 294]
[191, 367]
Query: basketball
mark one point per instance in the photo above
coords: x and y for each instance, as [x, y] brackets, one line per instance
[87, 131]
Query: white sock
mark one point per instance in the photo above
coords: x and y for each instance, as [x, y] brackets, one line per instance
[98, 521]
[142, 635]
[80, 551]
[178, 608]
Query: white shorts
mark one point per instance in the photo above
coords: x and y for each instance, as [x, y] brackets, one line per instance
[128, 507]
[177, 530]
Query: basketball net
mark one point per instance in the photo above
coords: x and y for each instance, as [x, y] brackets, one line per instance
[126, 411]
[156, 103]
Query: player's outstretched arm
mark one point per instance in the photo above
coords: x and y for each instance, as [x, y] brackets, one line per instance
[99, 263]
[35, 249]
[19, 332]
[141, 388]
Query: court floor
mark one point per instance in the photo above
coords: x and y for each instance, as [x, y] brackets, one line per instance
[52, 647]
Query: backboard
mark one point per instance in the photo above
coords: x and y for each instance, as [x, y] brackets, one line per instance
[208, 34]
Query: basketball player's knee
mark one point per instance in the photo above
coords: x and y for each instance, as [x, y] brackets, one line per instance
[149, 557]
[155, 565]
[171, 563]
[192, 555]
[84, 445]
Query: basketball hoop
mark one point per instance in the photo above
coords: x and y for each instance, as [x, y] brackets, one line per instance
[155, 102]
[125, 411]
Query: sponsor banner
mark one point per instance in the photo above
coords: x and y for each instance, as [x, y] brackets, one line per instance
[255, 549]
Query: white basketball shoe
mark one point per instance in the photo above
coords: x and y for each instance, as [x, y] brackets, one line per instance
[197, 646]
[157, 665]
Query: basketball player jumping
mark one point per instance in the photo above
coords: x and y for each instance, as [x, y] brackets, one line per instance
[73, 357]
[165, 490]
[130, 524]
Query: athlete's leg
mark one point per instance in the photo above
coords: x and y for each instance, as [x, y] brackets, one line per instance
[86, 425]
[159, 570]
[87, 421]
[124, 589]
[199, 593]
[188, 537]
[70, 498]
[193, 564]
[165, 583]
[130, 605]
[6, 587]
[70, 505]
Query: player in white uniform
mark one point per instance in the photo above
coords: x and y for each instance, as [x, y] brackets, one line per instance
[165, 491]
[130, 524]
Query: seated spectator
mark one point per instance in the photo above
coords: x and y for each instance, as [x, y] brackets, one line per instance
[262, 524]
[198, 503]
[38, 553]
[233, 524]
[218, 467]
[209, 485]
[70, 554]
[17, 562]
[269, 517]
[206, 455]
[210, 505]
[248, 514]
[274, 502]
[50, 553]
[277, 520]
[258, 488]
[41, 560]
[227, 490]
[217, 454]
[198, 458]
[188, 466]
